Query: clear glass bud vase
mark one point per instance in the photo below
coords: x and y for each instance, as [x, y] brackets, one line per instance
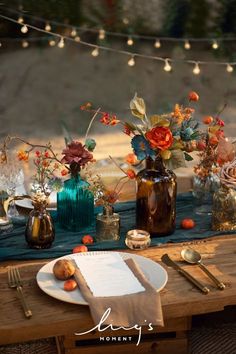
[108, 225]
[75, 204]
[39, 232]
[156, 199]
[224, 209]
[203, 190]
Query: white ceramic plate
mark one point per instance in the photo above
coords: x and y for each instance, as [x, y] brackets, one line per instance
[153, 271]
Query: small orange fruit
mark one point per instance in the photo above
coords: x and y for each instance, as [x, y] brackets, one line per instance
[87, 239]
[207, 119]
[213, 140]
[70, 285]
[193, 96]
[80, 248]
[187, 224]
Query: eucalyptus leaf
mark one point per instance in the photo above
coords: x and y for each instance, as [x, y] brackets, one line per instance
[177, 160]
[188, 157]
[65, 131]
[159, 121]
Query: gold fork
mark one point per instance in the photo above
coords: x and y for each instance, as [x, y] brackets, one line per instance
[14, 281]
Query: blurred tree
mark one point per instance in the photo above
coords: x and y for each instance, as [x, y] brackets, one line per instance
[176, 15]
[225, 20]
[198, 19]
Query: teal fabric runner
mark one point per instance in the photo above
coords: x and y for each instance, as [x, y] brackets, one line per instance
[13, 244]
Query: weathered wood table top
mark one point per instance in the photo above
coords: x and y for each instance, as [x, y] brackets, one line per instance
[52, 317]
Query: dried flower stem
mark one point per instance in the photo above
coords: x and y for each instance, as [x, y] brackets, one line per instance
[91, 122]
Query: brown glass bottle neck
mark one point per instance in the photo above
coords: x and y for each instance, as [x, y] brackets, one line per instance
[156, 164]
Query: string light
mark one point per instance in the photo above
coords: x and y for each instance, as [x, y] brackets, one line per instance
[20, 19]
[52, 42]
[157, 43]
[131, 61]
[48, 27]
[229, 68]
[25, 44]
[77, 39]
[196, 69]
[61, 43]
[215, 45]
[125, 21]
[187, 45]
[101, 34]
[95, 52]
[130, 41]
[73, 32]
[0, 44]
[24, 29]
[167, 66]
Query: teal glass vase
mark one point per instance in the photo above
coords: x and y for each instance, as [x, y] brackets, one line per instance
[75, 204]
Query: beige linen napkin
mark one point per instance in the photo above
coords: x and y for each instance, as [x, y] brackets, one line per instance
[128, 310]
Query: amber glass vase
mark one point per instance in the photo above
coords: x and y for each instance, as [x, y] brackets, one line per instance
[156, 199]
[40, 232]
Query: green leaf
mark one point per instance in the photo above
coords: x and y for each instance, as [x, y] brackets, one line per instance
[187, 156]
[177, 160]
[138, 107]
[159, 121]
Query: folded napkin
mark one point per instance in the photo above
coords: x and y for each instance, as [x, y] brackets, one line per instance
[140, 308]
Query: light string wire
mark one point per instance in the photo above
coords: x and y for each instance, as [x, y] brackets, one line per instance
[119, 34]
[132, 55]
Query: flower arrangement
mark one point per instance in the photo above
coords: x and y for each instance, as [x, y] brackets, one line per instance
[168, 135]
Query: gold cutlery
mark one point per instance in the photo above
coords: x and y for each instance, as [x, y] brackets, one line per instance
[14, 281]
[193, 257]
[170, 263]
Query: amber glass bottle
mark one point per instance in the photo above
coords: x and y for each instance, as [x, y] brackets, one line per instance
[156, 199]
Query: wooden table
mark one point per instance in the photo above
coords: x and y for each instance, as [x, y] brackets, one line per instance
[180, 300]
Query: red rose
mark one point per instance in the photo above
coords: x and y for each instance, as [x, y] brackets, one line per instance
[160, 137]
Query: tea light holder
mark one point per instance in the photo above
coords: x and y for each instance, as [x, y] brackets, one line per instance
[137, 239]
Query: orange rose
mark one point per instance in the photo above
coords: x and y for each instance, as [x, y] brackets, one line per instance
[160, 138]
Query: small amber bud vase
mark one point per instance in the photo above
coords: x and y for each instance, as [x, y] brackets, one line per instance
[156, 199]
[108, 225]
[40, 232]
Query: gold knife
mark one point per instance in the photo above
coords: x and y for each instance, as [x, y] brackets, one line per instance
[170, 263]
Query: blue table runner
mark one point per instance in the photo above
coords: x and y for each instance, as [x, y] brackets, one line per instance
[14, 247]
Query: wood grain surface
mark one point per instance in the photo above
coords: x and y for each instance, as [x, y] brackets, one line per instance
[180, 299]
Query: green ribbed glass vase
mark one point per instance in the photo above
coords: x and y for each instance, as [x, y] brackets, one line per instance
[75, 204]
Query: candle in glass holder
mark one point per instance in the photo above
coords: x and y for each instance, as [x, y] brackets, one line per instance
[137, 239]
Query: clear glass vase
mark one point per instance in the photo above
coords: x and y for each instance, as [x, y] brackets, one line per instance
[224, 209]
[75, 204]
[108, 225]
[156, 199]
[39, 232]
[203, 191]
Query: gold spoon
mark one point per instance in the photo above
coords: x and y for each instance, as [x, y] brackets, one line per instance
[193, 257]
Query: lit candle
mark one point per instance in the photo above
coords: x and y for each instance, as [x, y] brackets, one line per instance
[137, 239]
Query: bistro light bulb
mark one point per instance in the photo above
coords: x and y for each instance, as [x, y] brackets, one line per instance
[61, 43]
[215, 45]
[101, 34]
[77, 38]
[0, 44]
[157, 43]
[187, 45]
[73, 32]
[20, 19]
[167, 66]
[130, 41]
[131, 61]
[229, 68]
[48, 27]
[125, 20]
[24, 29]
[52, 42]
[196, 69]
[95, 52]
[25, 44]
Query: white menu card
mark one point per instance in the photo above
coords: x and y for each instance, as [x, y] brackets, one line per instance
[107, 274]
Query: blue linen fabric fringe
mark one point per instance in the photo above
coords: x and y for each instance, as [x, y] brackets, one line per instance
[14, 247]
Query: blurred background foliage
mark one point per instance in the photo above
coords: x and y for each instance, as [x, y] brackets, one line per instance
[177, 18]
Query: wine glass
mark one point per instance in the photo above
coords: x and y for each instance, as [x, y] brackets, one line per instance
[11, 176]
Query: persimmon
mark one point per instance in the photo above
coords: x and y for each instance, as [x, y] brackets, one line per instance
[187, 224]
[87, 239]
[70, 285]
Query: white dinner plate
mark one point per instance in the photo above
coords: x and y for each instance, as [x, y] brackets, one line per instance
[46, 280]
[27, 204]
